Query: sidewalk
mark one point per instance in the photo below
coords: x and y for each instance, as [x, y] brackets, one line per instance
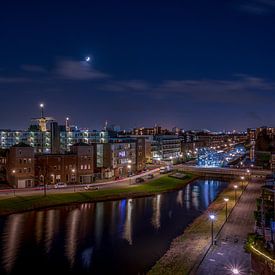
[229, 252]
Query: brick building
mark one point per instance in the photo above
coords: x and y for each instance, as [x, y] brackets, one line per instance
[73, 167]
[20, 166]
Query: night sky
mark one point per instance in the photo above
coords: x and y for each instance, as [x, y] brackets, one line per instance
[191, 64]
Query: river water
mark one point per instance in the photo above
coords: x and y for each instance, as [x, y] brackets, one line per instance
[115, 237]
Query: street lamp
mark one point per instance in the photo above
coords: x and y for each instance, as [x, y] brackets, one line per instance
[13, 172]
[235, 271]
[226, 201]
[73, 174]
[212, 218]
[129, 169]
[235, 187]
[242, 179]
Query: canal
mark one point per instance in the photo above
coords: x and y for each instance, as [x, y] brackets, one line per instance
[115, 237]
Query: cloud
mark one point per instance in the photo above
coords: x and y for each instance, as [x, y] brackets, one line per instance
[12, 80]
[258, 7]
[33, 68]
[76, 70]
[126, 86]
[241, 89]
[255, 116]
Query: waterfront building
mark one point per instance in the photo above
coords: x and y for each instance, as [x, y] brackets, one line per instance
[76, 166]
[20, 166]
[120, 157]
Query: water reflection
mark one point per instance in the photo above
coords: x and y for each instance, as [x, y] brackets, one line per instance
[187, 196]
[87, 257]
[156, 211]
[51, 228]
[39, 226]
[195, 197]
[99, 222]
[127, 234]
[11, 240]
[72, 235]
[179, 198]
[116, 237]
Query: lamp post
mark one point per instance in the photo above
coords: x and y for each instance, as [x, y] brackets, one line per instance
[129, 172]
[235, 188]
[242, 179]
[212, 218]
[129, 166]
[13, 173]
[248, 173]
[226, 201]
[73, 176]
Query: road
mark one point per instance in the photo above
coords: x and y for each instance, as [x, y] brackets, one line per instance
[224, 170]
[229, 252]
[129, 181]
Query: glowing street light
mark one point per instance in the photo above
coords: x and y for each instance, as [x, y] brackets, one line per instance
[73, 173]
[242, 179]
[212, 218]
[235, 271]
[226, 201]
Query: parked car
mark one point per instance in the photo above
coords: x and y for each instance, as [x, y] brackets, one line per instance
[88, 187]
[139, 180]
[150, 176]
[60, 185]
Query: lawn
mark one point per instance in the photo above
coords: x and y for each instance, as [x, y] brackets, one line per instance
[24, 203]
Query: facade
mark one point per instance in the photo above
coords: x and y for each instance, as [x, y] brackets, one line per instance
[120, 157]
[20, 166]
[55, 140]
[74, 167]
[3, 164]
[41, 141]
[166, 147]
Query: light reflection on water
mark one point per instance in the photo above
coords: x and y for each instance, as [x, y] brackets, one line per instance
[125, 236]
[12, 236]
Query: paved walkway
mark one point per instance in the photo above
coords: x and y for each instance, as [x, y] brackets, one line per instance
[229, 252]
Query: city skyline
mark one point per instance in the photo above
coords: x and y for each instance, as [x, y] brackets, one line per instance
[178, 66]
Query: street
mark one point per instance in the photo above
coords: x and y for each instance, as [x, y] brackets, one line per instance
[229, 252]
[129, 181]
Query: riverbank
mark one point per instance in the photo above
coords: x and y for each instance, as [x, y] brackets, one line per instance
[187, 250]
[156, 186]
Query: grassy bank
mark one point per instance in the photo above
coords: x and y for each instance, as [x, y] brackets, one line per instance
[189, 248]
[24, 203]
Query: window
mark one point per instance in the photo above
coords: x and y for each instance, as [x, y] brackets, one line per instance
[81, 167]
[30, 160]
[29, 170]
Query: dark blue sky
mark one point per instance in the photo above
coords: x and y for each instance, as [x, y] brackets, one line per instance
[192, 64]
